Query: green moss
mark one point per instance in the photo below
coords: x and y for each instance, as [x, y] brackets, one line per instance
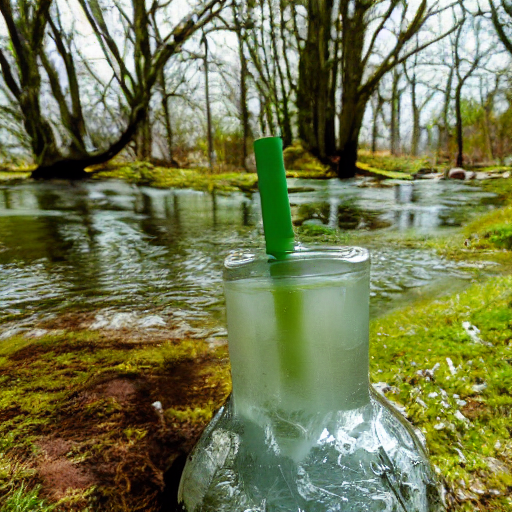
[189, 414]
[321, 234]
[143, 173]
[382, 173]
[491, 231]
[55, 386]
[23, 499]
[296, 157]
[460, 435]
[13, 175]
[395, 164]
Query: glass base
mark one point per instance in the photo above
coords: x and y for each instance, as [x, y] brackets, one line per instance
[361, 460]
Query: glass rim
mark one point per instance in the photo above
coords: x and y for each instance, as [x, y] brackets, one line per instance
[251, 264]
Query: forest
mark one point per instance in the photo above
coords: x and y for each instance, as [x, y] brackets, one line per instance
[84, 81]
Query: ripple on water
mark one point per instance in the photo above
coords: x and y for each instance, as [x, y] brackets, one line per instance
[115, 247]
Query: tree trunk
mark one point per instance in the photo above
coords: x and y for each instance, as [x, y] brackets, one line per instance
[353, 100]
[352, 119]
[458, 117]
[442, 143]
[169, 135]
[377, 109]
[144, 139]
[416, 129]
[244, 111]
[396, 94]
[314, 80]
[209, 134]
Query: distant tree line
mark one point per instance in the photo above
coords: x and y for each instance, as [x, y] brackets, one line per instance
[83, 80]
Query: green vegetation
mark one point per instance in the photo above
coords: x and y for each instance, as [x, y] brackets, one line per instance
[25, 500]
[454, 380]
[143, 173]
[296, 157]
[13, 175]
[395, 164]
[77, 417]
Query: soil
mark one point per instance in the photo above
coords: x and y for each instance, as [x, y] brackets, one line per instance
[107, 445]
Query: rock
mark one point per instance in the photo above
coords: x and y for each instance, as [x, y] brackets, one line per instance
[477, 487]
[478, 388]
[150, 321]
[457, 173]
[461, 417]
[506, 174]
[451, 366]
[497, 467]
[429, 176]
[313, 222]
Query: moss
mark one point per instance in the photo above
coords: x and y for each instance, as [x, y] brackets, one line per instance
[96, 394]
[395, 164]
[464, 424]
[382, 173]
[13, 175]
[23, 499]
[321, 234]
[143, 173]
[491, 231]
[298, 158]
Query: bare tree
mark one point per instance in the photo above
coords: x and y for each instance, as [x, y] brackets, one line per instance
[269, 45]
[316, 68]
[363, 66]
[417, 105]
[502, 21]
[25, 64]
[464, 68]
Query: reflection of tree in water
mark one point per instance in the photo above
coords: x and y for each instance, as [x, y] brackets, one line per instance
[246, 214]
[347, 213]
[72, 239]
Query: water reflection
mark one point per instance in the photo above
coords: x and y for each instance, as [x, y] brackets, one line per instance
[113, 245]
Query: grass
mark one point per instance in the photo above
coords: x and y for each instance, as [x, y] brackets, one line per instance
[24, 499]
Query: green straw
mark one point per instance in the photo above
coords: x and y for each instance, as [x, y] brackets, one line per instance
[279, 239]
[275, 207]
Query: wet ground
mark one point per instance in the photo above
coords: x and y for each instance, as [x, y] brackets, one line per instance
[137, 256]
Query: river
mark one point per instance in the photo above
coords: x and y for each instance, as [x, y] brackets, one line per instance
[125, 253]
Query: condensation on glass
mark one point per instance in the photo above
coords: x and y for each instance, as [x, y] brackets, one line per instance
[303, 431]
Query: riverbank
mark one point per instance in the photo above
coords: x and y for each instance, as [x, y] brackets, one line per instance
[78, 426]
[298, 162]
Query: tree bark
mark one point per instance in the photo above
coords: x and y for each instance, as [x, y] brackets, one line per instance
[377, 109]
[442, 142]
[416, 128]
[396, 97]
[351, 122]
[209, 130]
[458, 116]
[237, 10]
[314, 80]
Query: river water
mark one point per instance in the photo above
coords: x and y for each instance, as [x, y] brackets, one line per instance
[111, 248]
